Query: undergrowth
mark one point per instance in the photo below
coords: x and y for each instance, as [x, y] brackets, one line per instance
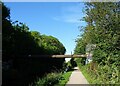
[53, 79]
[100, 74]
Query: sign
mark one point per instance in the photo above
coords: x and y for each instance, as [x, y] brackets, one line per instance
[89, 52]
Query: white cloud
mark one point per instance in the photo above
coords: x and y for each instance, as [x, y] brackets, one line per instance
[70, 18]
[56, 18]
[70, 14]
[71, 9]
[73, 18]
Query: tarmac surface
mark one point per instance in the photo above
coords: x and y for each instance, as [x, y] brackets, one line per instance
[77, 78]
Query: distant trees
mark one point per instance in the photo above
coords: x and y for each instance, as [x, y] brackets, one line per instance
[80, 46]
[103, 29]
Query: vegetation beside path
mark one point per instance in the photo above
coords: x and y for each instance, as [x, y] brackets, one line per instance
[20, 45]
[65, 78]
[86, 73]
[59, 78]
[53, 79]
[103, 31]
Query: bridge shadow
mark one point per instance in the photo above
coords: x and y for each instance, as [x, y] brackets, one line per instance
[74, 69]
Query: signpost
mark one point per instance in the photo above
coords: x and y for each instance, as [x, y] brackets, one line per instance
[89, 52]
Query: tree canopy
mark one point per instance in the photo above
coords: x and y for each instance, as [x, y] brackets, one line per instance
[18, 44]
[18, 40]
[103, 30]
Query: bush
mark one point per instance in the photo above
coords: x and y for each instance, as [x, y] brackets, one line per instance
[99, 73]
[49, 80]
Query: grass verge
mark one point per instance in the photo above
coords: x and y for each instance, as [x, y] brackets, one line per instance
[100, 74]
[64, 79]
[85, 72]
[87, 75]
[53, 79]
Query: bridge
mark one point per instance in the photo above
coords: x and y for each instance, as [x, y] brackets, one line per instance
[58, 56]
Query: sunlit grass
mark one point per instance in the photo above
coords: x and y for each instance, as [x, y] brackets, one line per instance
[86, 74]
[100, 76]
[65, 78]
[53, 79]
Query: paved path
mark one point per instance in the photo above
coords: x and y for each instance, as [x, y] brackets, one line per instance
[77, 77]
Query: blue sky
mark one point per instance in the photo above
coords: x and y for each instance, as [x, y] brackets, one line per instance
[59, 19]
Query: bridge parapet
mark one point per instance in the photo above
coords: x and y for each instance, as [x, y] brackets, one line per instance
[60, 56]
[50, 56]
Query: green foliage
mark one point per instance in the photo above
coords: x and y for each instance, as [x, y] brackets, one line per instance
[64, 79]
[5, 12]
[103, 18]
[85, 72]
[19, 41]
[52, 45]
[7, 31]
[68, 66]
[73, 63]
[49, 80]
[53, 79]
[102, 29]
[107, 74]
[80, 46]
[37, 37]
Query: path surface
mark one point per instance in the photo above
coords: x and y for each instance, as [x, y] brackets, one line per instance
[77, 77]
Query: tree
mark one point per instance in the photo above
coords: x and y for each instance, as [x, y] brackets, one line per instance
[104, 20]
[18, 41]
[52, 45]
[7, 31]
[103, 29]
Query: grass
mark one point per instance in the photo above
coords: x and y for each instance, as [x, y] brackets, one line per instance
[87, 75]
[53, 79]
[99, 74]
[84, 69]
[91, 78]
[49, 80]
[65, 77]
